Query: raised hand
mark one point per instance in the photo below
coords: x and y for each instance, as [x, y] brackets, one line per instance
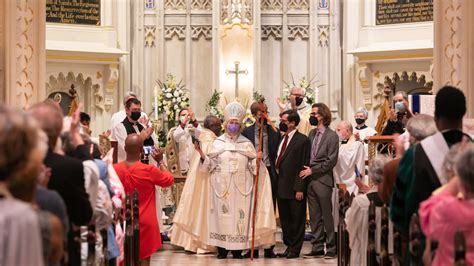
[157, 154]
[146, 133]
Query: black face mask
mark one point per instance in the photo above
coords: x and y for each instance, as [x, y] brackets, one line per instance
[298, 100]
[283, 127]
[313, 120]
[135, 115]
[360, 121]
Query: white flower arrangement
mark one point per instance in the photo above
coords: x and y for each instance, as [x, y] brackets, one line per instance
[172, 97]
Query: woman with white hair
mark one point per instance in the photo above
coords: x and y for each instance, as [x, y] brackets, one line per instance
[357, 216]
[361, 130]
[232, 166]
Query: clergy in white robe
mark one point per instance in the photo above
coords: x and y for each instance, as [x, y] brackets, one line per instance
[190, 221]
[361, 130]
[351, 156]
[187, 129]
[232, 166]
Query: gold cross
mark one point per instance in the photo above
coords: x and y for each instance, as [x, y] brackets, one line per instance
[236, 71]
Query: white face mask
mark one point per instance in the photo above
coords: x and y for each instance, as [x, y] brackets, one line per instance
[182, 118]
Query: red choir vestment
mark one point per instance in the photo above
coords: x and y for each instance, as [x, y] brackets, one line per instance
[144, 178]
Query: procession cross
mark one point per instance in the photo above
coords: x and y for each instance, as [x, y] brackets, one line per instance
[236, 72]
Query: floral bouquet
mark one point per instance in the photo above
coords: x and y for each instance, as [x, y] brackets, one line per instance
[172, 97]
[213, 106]
[305, 84]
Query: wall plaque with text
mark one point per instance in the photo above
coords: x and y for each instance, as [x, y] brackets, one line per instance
[403, 11]
[84, 12]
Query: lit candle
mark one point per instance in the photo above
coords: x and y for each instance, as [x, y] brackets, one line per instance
[155, 96]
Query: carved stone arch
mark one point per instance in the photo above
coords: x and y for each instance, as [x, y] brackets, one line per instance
[67, 87]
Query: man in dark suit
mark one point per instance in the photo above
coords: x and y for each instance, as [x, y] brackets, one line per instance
[270, 141]
[67, 174]
[293, 155]
[323, 158]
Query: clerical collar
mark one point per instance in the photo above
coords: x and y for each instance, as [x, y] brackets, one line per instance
[362, 127]
[344, 141]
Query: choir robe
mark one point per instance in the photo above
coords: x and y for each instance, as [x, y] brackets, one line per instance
[351, 154]
[232, 167]
[190, 221]
[144, 178]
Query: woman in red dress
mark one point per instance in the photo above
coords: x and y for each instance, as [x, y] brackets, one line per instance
[136, 175]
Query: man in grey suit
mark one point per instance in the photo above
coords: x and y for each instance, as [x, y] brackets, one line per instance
[323, 158]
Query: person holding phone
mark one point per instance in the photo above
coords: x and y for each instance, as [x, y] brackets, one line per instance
[183, 135]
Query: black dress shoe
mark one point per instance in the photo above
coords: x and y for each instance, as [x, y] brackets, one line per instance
[284, 254]
[292, 255]
[330, 255]
[269, 254]
[255, 254]
[221, 256]
[237, 254]
[314, 254]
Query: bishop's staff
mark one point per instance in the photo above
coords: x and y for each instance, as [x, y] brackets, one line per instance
[261, 119]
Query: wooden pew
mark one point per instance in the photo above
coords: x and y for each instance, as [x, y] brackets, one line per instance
[459, 249]
[397, 248]
[384, 256]
[415, 241]
[128, 244]
[136, 229]
[343, 249]
[371, 252]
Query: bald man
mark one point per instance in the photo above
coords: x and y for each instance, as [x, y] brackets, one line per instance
[351, 156]
[144, 177]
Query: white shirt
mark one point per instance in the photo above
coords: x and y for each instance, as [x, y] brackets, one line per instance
[119, 116]
[363, 134]
[290, 136]
[183, 138]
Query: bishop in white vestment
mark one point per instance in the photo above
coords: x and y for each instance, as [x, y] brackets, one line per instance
[232, 166]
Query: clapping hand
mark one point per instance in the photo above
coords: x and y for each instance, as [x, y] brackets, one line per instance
[75, 135]
[157, 154]
[306, 172]
[146, 133]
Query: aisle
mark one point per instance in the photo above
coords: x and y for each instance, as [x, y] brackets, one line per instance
[170, 256]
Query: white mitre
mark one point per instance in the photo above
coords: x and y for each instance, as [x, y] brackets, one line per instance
[234, 110]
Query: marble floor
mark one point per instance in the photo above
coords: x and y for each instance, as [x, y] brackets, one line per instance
[172, 256]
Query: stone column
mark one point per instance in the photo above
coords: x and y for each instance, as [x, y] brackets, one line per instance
[454, 47]
[22, 52]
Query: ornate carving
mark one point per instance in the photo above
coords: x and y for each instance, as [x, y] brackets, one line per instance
[61, 83]
[323, 35]
[175, 4]
[301, 30]
[24, 52]
[112, 75]
[272, 30]
[198, 31]
[150, 36]
[171, 31]
[298, 4]
[201, 4]
[236, 11]
[453, 48]
[272, 5]
[364, 76]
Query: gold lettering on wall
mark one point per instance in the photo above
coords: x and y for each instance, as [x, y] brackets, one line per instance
[85, 12]
[403, 11]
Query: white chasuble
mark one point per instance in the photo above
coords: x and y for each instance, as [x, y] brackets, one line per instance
[190, 221]
[351, 154]
[231, 164]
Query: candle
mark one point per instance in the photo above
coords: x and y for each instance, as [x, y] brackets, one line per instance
[155, 96]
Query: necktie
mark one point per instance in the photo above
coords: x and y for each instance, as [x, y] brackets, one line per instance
[282, 151]
[315, 146]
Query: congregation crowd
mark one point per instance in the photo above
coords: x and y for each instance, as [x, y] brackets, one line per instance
[57, 185]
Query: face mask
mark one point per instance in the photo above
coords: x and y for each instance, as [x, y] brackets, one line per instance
[135, 115]
[400, 107]
[283, 127]
[313, 120]
[233, 128]
[298, 100]
[359, 121]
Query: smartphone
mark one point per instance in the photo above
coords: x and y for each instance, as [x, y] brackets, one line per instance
[358, 175]
[147, 150]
